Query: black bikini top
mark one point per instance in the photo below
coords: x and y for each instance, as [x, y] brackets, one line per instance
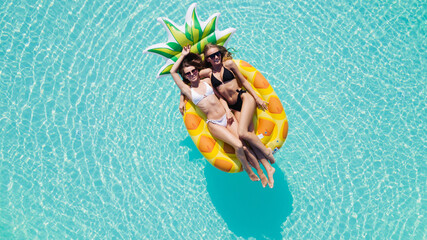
[226, 76]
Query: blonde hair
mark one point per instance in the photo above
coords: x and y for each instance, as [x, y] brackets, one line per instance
[225, 54]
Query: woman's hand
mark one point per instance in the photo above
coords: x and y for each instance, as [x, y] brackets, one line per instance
[186, 50]
[230, 117]
[182, 107]
[261, 104]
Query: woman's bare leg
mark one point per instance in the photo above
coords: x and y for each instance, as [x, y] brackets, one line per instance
[248, 109]
[227, 136]
[254, 162]
[270, 169]
[253, 158]
[250, 155]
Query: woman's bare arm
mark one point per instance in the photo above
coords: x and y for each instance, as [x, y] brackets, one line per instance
[231, 65]
[185, 89]
[182, 101]
[205, 73]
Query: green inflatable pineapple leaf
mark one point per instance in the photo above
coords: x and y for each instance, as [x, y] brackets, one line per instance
[194, 32]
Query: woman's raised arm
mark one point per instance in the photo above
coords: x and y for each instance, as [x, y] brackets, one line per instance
[185, 89]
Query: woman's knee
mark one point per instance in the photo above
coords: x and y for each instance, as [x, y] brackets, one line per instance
[238, 145]
[244, 134]
[247, 97]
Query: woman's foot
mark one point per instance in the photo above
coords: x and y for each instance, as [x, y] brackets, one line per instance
[270, 156]
[253, 176]
[264, 179]
[270, 172]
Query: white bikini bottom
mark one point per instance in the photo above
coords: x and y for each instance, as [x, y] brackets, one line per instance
[221, 122]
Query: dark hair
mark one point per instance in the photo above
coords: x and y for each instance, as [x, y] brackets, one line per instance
[192, 59]
[225, 54]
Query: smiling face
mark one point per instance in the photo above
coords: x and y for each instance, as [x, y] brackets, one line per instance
[213, 56]
[189, 67]
[191, 73]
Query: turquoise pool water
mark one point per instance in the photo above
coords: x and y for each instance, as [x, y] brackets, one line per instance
[93, 146]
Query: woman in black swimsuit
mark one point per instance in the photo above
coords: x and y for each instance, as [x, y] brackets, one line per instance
[227, 80]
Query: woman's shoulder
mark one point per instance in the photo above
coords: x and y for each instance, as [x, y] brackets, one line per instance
[208, 70]
[229, 63]
[205, 72]
[206, 80]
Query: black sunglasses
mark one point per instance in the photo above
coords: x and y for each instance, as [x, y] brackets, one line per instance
[213, 55]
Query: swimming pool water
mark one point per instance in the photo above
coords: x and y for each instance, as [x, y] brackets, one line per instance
[93, 146]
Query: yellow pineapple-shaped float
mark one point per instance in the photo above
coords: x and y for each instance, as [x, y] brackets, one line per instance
[271, 126]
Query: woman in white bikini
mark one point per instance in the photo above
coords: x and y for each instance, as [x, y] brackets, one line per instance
[219, 117]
